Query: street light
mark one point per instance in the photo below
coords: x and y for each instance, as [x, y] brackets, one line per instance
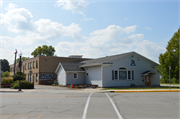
[20, 65]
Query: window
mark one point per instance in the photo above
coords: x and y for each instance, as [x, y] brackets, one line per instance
[133, 62]
[28, 77]
[33, 65]
[36, 77]
[122, 75]
[36, 64]
[115, 74]
[28, 65]
[75, 75]
[86, 74]
[25, 66]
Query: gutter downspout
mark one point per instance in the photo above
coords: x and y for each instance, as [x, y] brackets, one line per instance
[102, 75]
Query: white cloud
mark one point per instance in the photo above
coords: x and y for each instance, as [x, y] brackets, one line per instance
[148, 28]
[78, 6]
[20, 20]
[99, 43]
[1, 3]
[126, 18]
[107, 42]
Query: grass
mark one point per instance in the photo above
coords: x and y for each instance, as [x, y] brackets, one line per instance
[130, 88]
[171, 83]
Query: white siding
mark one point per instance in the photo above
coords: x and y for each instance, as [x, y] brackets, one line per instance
[79, 80]
[142, 65]
[94, 76]
[61, 76]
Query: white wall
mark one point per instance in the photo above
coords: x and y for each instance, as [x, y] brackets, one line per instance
[61, 76]
[79, 80]
[94, 76]
[142, 65]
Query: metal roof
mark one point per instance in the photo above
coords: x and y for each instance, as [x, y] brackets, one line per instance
[103, 60]
[72, 66]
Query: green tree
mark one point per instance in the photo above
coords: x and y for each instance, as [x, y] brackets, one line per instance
[44, 50]
[6, 74]
[22, 59]
[170, 58]
[4, 65]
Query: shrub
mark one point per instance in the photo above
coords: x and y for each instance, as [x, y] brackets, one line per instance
[24, 85]
[6, 74]
[6, 81]
[164, 80]
[174, 81]
[17, 76]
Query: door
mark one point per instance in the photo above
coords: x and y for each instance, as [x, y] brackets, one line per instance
[33, 78]
[147, 80]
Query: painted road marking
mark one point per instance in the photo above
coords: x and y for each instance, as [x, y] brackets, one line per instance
[86, 107]
[38, 116]
[115, 108]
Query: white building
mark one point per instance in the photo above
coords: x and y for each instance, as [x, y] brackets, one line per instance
[111, 71]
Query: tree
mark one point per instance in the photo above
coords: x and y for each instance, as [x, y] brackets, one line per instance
[6, 74]
[4, 65]
[22, 59]
[44, 50]
[170, 58]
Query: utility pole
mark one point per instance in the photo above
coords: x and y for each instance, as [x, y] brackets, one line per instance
[169, 78]
[15, 62]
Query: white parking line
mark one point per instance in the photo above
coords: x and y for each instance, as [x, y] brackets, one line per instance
[115, 108]
[86, 107]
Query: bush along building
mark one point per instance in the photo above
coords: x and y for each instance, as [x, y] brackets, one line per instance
[128, 69]
[41, 69]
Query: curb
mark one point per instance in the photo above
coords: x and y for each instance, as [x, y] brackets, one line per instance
[134, 91]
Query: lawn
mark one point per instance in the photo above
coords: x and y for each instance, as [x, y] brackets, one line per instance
[130, 88]
[171, 83]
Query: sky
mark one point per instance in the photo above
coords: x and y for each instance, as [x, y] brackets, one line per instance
[92, 28]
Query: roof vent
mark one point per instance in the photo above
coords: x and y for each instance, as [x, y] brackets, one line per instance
[75, 56]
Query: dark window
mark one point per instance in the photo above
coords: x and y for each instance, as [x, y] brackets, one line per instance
[36, 77]
[116, 74]
[33, 65]
[86, 74]
[25, 66]
[36, 64]
[75, 75]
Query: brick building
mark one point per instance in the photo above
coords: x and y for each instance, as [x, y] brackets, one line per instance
[43, 68]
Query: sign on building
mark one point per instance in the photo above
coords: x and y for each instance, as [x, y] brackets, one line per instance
[43, 77]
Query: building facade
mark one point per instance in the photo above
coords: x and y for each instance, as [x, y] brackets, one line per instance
[41, 69]
[128, 69]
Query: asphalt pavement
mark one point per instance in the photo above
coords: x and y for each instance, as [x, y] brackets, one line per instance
[49, 102]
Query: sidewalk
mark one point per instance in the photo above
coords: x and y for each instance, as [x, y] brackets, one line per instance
[144, 90]
[8, 90]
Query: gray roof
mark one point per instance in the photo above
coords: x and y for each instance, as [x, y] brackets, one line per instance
[71, 66]
[101, 60]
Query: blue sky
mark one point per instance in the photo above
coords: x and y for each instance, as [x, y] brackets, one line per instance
[92, 28]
